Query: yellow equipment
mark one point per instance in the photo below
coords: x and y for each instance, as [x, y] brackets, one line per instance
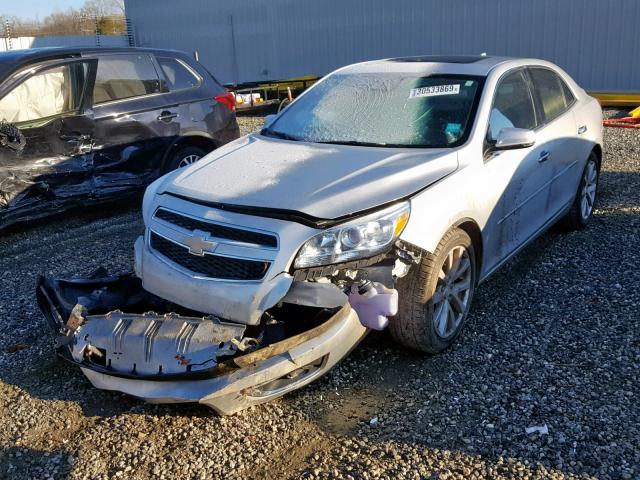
[608, 99]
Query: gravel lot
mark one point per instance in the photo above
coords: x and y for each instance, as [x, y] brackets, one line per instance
[553, 339]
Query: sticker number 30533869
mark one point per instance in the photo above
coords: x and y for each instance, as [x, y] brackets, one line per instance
[434, 91]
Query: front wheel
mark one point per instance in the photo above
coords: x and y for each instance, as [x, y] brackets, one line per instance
[586, 195]
[185, 157]
[436, 296]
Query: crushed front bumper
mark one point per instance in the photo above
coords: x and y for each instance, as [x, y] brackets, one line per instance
[175, 358]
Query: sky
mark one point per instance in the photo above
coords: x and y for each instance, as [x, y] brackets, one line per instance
[36, 8]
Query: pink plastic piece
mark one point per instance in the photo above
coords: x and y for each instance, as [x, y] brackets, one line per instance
[373, 304]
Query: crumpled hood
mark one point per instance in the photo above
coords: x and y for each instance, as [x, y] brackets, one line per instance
[324, 181]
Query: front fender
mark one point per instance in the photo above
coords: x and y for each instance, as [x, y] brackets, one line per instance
[441, 207]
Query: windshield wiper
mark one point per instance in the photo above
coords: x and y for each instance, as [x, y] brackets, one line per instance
[276, 134]
[363, 144]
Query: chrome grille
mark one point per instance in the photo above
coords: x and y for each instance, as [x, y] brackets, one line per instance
[216, 230]
[209, 265]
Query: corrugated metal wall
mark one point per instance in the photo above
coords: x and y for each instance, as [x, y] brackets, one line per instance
[596, 41]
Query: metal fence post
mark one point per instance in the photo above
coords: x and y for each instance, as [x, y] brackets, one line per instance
[233, 51]
[95, 20]
[130, 34]
[7, 34]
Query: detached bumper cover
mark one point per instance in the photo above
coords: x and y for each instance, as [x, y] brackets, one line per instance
[261, 376]
[168, 359]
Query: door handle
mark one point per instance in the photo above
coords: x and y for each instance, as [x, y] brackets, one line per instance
[582, 129]
[544, 156]
[167, 115]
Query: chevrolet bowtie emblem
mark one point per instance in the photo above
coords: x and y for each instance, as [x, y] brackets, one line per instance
[198, 243]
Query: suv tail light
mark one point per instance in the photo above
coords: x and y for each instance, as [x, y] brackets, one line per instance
[229, 99]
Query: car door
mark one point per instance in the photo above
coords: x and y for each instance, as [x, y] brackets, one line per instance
[206, 111]
[516, 182]
[185, 91]
[560, 133]
[47, 103]
[135, 121]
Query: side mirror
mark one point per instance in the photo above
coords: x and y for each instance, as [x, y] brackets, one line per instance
[268, 120]
[512, 138]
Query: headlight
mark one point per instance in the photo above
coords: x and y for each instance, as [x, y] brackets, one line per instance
[148, 200]
[362, 238]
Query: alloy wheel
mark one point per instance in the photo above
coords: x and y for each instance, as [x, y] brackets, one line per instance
[588, 193]
[188, 160]
[453, 292]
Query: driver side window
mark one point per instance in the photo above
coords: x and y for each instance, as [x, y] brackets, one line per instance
[46, 94]
[512, 106]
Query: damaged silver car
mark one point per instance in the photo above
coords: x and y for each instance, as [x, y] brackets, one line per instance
[380, 197]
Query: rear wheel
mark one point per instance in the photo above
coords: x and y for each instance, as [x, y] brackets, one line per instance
[586, 196]
[185, 157]
[436, 296]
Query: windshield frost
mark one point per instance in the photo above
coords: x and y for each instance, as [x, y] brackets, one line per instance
[387, 109]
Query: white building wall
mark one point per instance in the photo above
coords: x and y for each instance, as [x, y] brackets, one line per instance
[596, 41]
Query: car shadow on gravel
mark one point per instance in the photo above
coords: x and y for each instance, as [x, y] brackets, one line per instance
[535, 352]
[56, 380]
[81, 214]
[47, 377]
[20, 462]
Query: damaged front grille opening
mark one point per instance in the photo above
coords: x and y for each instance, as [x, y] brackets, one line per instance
[94, 331]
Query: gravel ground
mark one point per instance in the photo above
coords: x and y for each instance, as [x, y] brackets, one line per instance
[552, 339]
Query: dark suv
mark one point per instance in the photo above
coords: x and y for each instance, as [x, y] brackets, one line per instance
[80, 126]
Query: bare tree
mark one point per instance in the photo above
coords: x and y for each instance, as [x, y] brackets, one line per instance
[103, 8]
[106, 15]
[61, 23]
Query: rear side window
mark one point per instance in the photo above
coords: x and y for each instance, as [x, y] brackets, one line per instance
[569, 98]
[178, 75]
[52, 92]
[512, 105]
[125, 76]
[551, 91]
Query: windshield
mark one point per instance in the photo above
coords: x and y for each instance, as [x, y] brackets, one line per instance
[383, 109]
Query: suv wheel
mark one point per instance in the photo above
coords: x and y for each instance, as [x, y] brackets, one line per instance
[185, 157]
[585, 200]
[435, 297]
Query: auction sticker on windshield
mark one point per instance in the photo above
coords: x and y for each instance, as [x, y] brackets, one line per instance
[434, 91]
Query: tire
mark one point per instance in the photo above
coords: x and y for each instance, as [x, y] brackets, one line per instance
[184, 157]
[422, 293]
[581, 212]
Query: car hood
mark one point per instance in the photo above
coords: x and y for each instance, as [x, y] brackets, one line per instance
[320, 180]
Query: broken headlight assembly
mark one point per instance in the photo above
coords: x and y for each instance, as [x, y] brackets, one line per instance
[361, 238]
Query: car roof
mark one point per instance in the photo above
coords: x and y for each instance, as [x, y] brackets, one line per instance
[476, 65]
[11, 59]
